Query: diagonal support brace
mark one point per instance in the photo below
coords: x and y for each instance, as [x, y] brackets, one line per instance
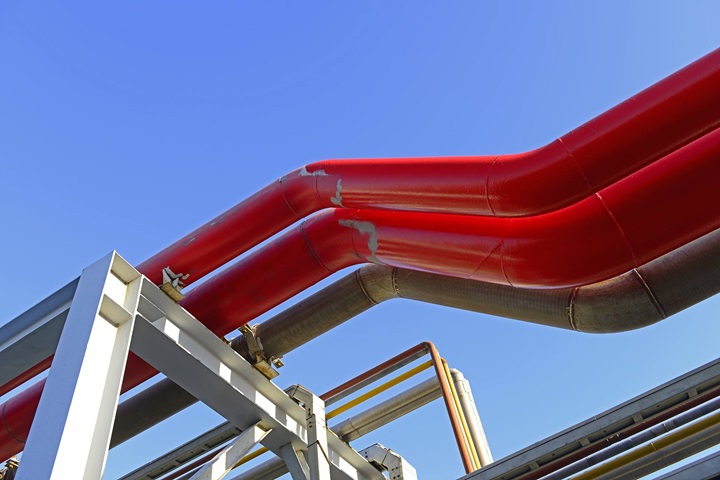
[225, 460]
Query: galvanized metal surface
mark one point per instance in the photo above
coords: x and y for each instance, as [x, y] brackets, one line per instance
[703, 469]
[603, 425]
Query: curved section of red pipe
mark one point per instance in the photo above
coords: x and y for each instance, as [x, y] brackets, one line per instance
[624, 226]
[645, 215]
[667, 115]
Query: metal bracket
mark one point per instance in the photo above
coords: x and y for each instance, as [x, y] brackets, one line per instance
[11, 468]
[257, 353]
[386, 459]
[173, 284]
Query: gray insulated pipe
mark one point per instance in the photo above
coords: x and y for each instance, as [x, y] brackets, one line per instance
[629, 301]
[632, 300]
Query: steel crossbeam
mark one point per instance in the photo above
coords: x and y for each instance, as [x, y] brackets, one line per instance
[113, 309]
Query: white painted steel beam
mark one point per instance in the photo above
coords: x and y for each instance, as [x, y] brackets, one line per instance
[72, 426]
[225, 460]
[115, 309]
[397, 467]
[172, 341]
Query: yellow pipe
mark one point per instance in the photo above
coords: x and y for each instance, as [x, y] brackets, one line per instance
[645, 450]
[334, 413]
[378, 390]
[250, 456]
[461, 414]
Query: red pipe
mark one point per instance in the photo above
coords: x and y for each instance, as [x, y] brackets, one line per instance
[521, 251]
[645, 215]
[644, 128]
[28, 374]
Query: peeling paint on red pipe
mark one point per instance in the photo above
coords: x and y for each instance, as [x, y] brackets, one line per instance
[625, 225]
[596, 235]
[631, 222]
[644, 128]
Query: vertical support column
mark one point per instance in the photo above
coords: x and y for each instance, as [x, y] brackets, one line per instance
[318, 460]
[317, 452]
[70, 434]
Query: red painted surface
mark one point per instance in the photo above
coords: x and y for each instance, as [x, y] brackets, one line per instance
[570, 213]
[644, 128]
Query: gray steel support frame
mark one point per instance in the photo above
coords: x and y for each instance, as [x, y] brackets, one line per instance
[114, 309]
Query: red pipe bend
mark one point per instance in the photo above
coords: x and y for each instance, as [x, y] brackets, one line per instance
[627, 224]
[649, 213]
[644, 128]
[652, 212]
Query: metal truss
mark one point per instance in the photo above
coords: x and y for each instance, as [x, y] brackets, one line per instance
[112, 310]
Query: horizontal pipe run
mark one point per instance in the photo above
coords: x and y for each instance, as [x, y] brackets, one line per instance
[378, 390]
[652, 208]
[360, 424]
[700, 430]
[374, 374]
[351, 428]
[628, 439]
[702, 469]
[632, 300]
[626, 224]
[644, 128]
[679, 452]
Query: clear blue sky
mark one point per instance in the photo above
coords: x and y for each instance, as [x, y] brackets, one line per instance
[126, 125]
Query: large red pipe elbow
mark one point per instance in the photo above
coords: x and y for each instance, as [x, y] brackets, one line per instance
[667, 115]
[625, 225]
[567, 234]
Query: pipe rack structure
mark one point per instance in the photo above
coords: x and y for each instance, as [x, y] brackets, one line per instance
[620, 202]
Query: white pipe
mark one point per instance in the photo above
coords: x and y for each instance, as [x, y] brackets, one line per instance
[472, 417]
